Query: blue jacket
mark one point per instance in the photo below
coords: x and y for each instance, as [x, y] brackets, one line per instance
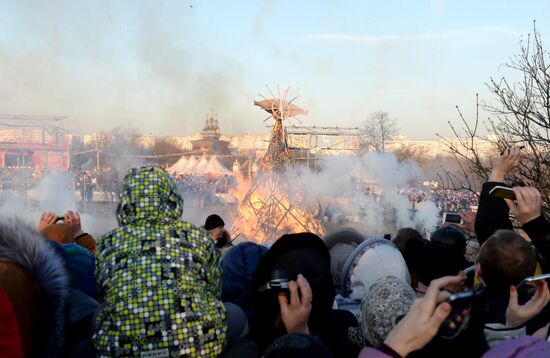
[239, 266]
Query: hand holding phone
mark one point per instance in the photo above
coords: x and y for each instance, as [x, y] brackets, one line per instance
[528, 280]
[527, 205]
[503, 192]
[452, 218]
[296, 309]
[517, 315]
[425, 317]
[505, 163]
[46, 219]
[462, 305]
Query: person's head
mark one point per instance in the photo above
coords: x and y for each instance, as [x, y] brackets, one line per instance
[341, 244]
[294, 254]
[403, 236]
[215, 225]
[450, 236]
[432, 260]
[373, 259]
[148, 194]
[386, 303]
[505, 259]
[400, 240]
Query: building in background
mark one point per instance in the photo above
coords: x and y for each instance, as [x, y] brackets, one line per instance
[39, 142]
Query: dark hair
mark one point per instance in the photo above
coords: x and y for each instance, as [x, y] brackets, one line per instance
[431, 260]
[505, 260]
[224, 240]
[404, 235]
[450, 236]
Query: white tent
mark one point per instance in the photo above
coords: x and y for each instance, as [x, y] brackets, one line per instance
[191, 163]
[200, 167]
[179, 166]
[217, 168]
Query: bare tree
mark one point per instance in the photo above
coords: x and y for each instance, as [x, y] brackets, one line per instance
[522, 113]
[377, 130]
[520, 116]
[165, 151]
[470, 168]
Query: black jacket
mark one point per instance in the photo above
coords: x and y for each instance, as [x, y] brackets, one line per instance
[492, 215]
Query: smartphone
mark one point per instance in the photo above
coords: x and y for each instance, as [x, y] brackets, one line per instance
[59, 218]
[503, 192]
[520, 147]
[544, 276]
[452, 218]
[470, 301]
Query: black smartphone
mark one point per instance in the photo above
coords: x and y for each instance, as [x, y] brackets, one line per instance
[59, 218]
[520, 147]
[452, 218]
[503, 192]
[460, 303]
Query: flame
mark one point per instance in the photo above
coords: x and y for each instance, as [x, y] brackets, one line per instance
[269, 208]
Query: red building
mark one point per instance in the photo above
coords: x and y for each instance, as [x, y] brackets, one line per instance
[38, 142]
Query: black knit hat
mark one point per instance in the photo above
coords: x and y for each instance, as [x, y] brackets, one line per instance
[213, 221]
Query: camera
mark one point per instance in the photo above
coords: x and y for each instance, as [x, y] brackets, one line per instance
[452, 218]
[471, 301]
[277, 283]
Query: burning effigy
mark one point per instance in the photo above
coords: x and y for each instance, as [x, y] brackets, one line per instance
[273, 205]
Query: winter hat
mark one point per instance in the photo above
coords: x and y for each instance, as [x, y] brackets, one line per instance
[213, 221]
[303, 253]
[341, 244]
[375, 258]
[387, 302]
[450, 236]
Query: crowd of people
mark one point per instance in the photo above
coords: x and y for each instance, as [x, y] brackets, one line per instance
[105, 180]
[203, 189]
[446, 200]
[158, 286]
[18, 178]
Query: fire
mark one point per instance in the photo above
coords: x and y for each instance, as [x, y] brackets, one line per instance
[271, 208]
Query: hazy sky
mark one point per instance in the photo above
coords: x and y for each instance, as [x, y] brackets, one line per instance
[160, 66]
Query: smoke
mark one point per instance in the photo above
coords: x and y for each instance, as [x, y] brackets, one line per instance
[118, 68]
[14, 204]
[380, 208]
[53, 193]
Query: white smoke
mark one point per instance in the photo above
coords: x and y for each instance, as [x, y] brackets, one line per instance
[55, 193]
[382, 213]
[15, 204]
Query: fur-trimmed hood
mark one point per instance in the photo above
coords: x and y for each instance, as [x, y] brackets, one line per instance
[22, 245]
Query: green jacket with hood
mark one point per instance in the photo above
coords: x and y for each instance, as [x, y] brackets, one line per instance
[159, 277]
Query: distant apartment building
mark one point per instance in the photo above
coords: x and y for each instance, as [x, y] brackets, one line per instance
[433, 148]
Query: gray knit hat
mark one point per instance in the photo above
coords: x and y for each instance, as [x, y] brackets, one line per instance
[387, 302]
